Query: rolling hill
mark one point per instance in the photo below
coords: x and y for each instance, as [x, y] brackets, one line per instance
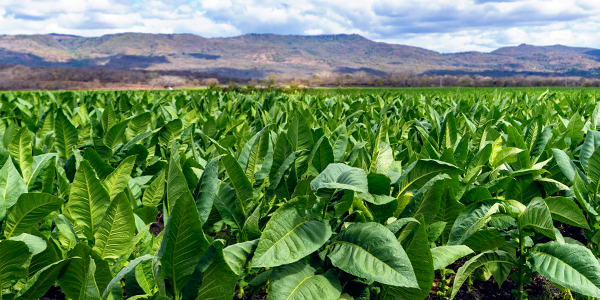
[258, 55]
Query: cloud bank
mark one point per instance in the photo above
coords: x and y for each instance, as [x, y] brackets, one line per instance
[441, 25]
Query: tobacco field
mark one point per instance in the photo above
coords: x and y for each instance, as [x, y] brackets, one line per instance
[205, 194]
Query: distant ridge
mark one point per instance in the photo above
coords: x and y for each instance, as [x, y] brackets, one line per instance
[258, 55]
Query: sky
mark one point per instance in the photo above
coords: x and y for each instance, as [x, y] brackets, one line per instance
[440, 25]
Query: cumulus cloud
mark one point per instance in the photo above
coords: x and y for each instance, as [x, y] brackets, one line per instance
[441, 25]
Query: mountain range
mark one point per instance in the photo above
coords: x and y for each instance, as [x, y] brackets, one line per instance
[258, 55]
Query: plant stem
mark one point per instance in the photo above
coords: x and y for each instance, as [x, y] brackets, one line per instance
[521, 279]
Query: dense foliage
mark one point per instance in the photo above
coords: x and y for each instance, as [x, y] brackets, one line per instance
[297, 196]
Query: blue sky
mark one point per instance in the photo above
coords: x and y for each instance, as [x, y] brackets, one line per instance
[441, 25]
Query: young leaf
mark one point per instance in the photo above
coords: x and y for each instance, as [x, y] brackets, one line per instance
[240, 183]
[290, 235]
[537, 216]
[66, 134]
[483, 259]
[116, 230]
[88, 200]
[443, 256]
[11, 187]
[20, 149]
[29, 209]
[414, 241]
[566, 211]
[155, 192]
[117, 181]
[182, 245]
[298, 281]
[13, 262]
[41, 281]
[370, 251]
[219, 280]
[206, 190]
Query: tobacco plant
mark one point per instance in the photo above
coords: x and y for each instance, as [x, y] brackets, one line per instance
[212, 195]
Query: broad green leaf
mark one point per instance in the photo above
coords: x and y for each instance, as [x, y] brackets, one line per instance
[340, 177]
[382, 159]
[155, 192]
[300, 136]
[227, 204]
[593, 172]
[35, 244]
[89, 290]
[339, 141]
[450, 208]
[320, 156]
[20, 149]
[206, 190]
[444, 256]
[426, 201]
[582, 195]
[109, 118]
[537, 216]
[116, 182]
[414, 241]
[114, 136]
[66, 134]
[541, 141]
[116, 229]
[299, 281]
[486, 238]
[11, 187]
[571, 266]
[471, 219]
[130, 266]
[74, 278]
[169, 132]
[182, 245]
[38, 171]
[236, 255]
[371, 251]
[47, 257]
[29, 209]
[219, 280]
[41, 282]
[177, 187]
[138, 125]
[290, 235]
[591, 143]
[566, 211]
[506, 155]
[240, 183]
[88, 200]
[13, 262]
[289, 161]
[565, 164]
[421, 171]
[481, 260]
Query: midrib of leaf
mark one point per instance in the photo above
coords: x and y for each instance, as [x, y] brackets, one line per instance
[550, 255]
[411, 182]
[36, 168]
[112, 186]
[289, 232]
[21, 219]
[112, 223]
[297, 286]
[369, 253]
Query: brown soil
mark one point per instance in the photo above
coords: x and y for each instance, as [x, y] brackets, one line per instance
[54, 293]
[157, 227]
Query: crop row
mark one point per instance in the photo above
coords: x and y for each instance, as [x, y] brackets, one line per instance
[295, 196]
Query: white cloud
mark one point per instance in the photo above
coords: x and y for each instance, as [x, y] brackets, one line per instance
[441, 25]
